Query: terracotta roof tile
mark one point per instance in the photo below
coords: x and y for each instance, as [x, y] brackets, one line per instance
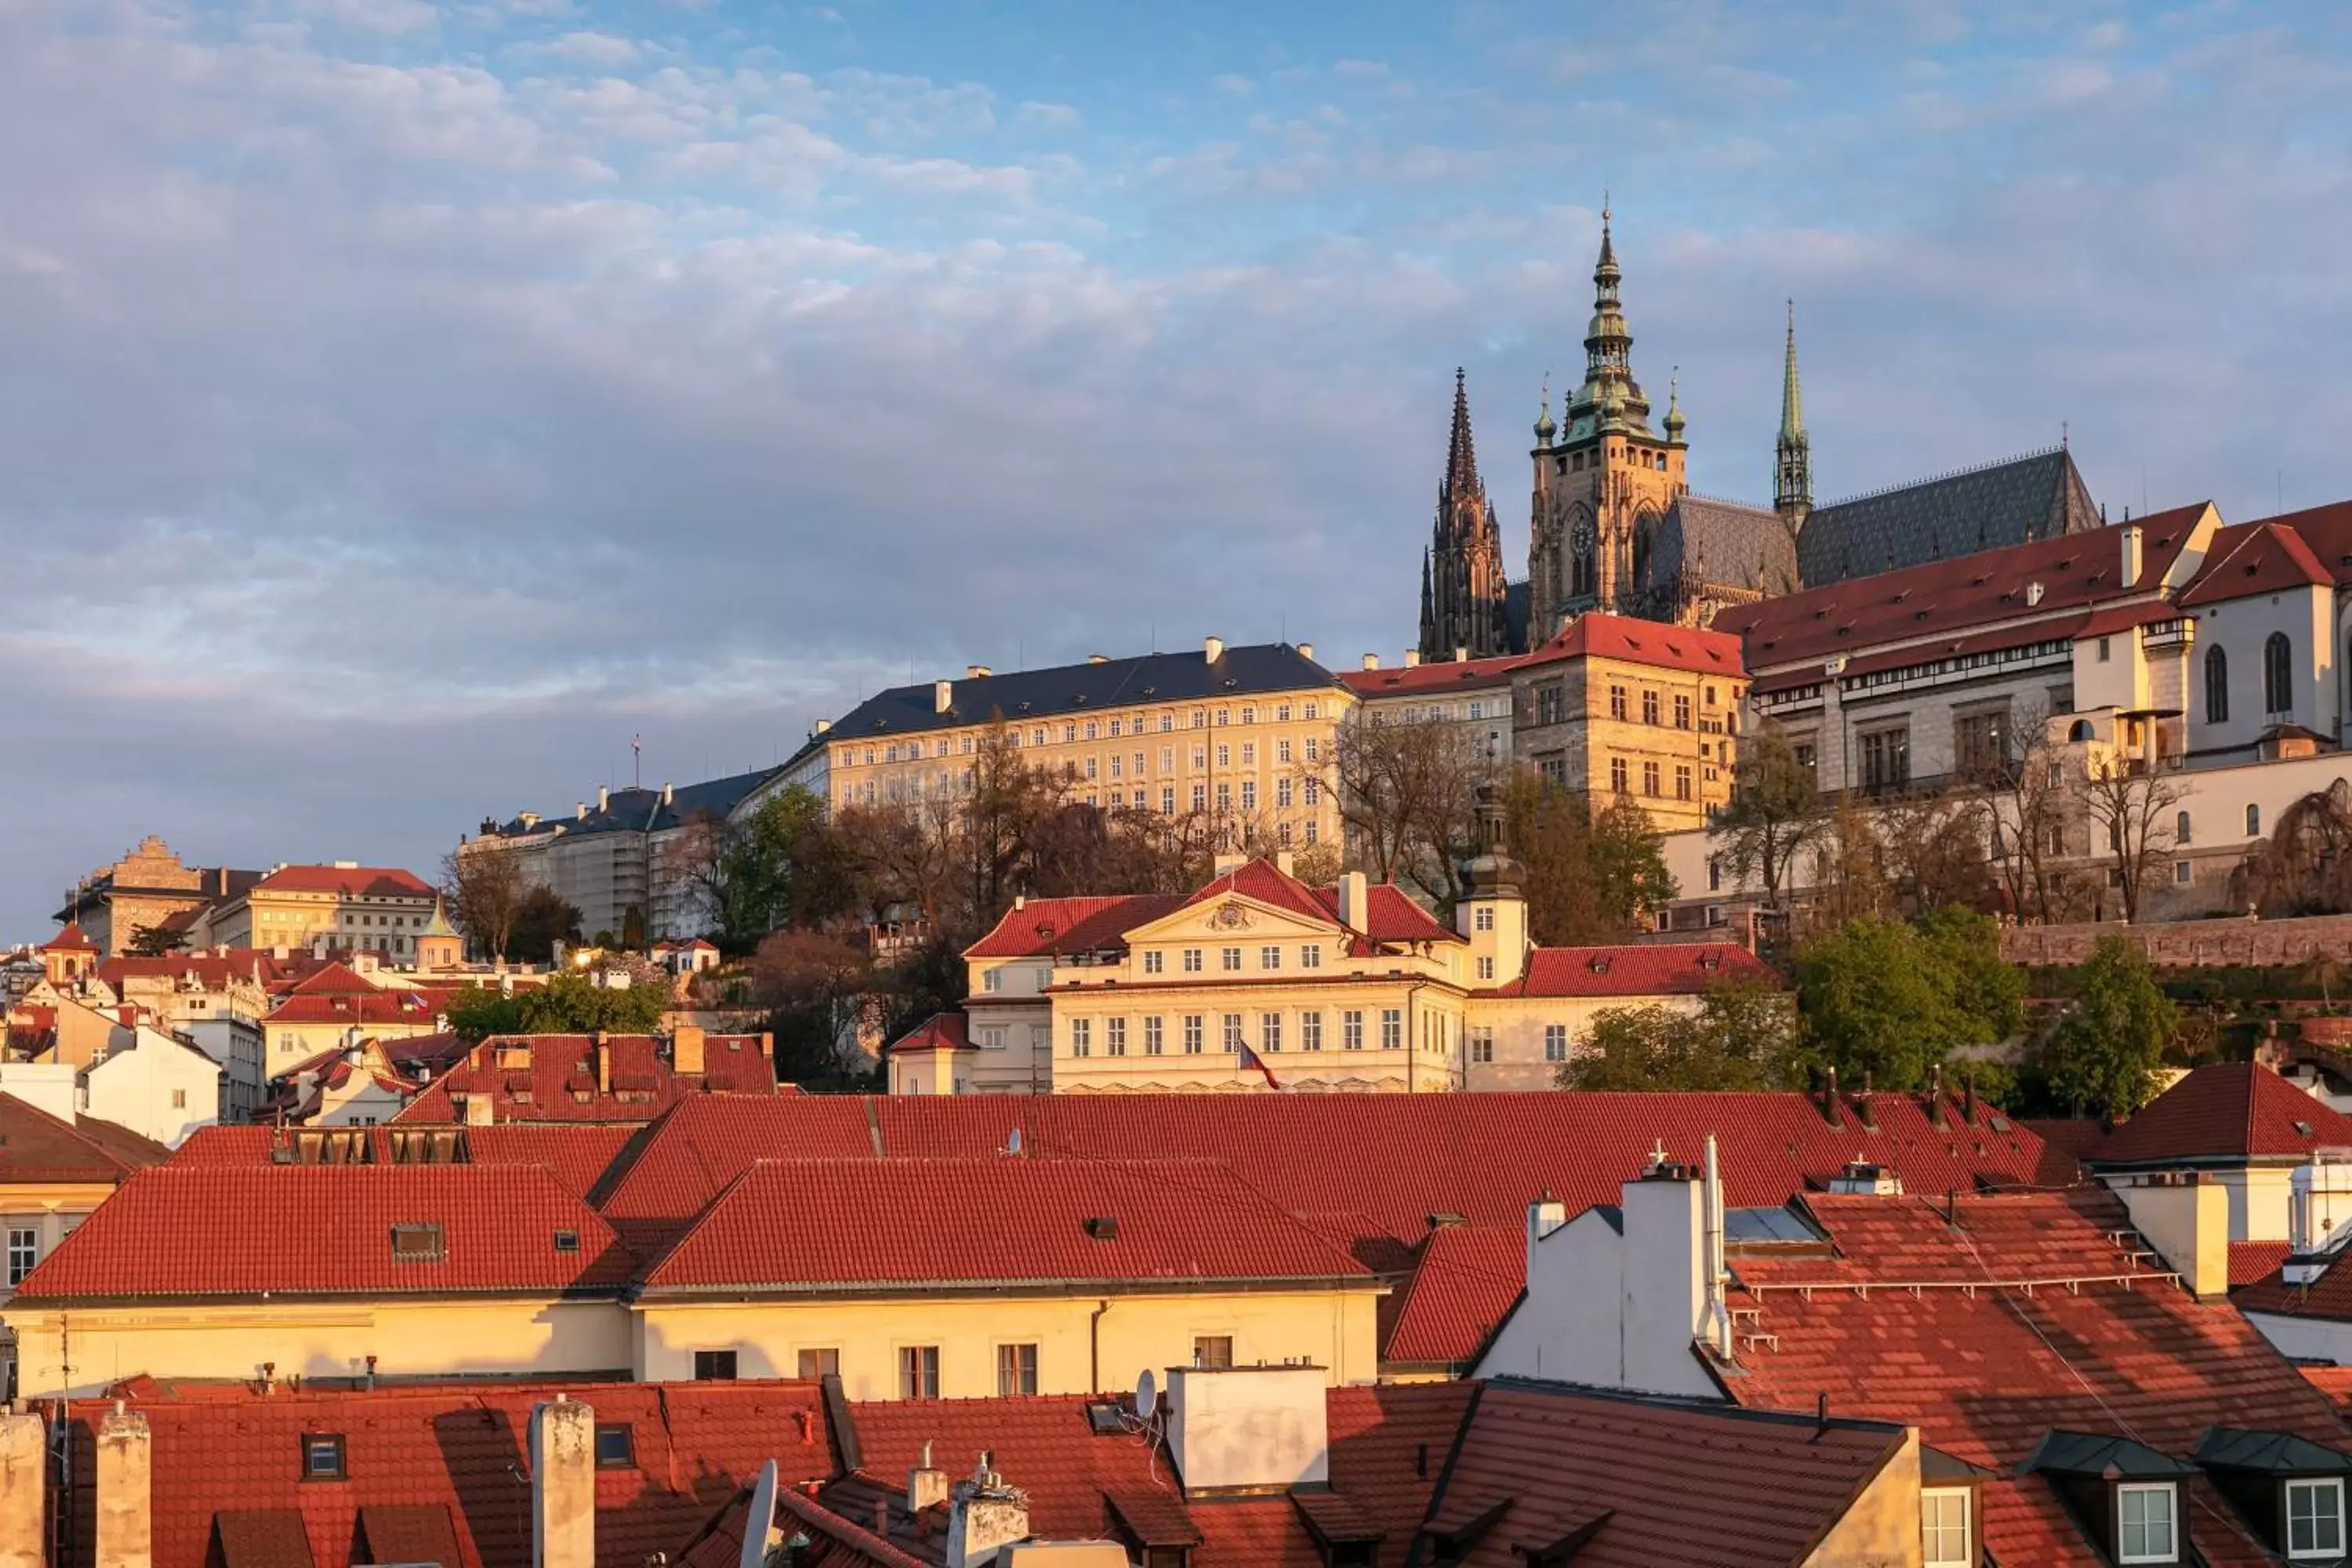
[2253, 1261]
[1598, 635]
[72, 939]
[941, 1031]
[1040, 927]
[1464, 1284]
[560, 1080]
[350, 881]
[37, 1147]
[2227, 1110]
[1661, 969]
[1433, 678]
[2254, 558]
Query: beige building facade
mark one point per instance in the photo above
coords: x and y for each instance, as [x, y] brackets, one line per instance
[372, 909]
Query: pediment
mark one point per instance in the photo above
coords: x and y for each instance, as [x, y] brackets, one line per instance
[1229, 918]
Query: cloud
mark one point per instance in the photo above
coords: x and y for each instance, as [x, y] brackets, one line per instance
[1055, 116]
[607, 50]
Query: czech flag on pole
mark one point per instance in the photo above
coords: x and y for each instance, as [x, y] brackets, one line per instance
[1250, 1058]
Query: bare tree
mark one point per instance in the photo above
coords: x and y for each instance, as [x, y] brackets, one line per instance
[2025, 798]
[1933, 849]
[2305, 868]
[485, 886]
[1406, 792]
[1776, 810]
[2131, 805]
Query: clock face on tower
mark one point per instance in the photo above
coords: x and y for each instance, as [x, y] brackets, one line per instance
[1580, 539]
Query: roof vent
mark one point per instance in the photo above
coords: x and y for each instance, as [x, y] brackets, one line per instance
[2033, 593]
[1599, 963]
[1097, 658]
[1103, 1227]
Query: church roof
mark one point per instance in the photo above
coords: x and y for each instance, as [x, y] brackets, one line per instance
[1722, 542]
[2038, 496]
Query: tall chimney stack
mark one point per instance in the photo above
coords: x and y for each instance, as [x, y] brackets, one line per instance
[562, 1485]
[985, 1516]
[686, 1049]
[126, 1516]
[24, 1454]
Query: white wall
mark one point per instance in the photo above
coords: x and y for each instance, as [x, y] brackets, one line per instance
[2241, 627]
[159, 1089]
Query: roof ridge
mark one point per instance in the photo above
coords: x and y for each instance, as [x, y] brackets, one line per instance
[1961, 472]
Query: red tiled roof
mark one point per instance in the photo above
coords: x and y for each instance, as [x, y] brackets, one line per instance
[1702, 652]
[211, 971]
[1267, 884]
[577, 1155]
[1464, 1284]
[1433, 679]
[71, 939]
[941, 1031]
[1039, 928]
[2255, 1260]
[2327, 531]
[1390, 915]
[2230, 1110]
[1565, 1459]
[1662, 969]
[2335, 1382]
[1941, 599]
[35, 1146]
[457, 1451]
[207, 1231]
[780, 1227]
[351, 881]
[1047, 927]
[561, 1081]
[2254, 558]
[1986, 1372]
[375, 1007]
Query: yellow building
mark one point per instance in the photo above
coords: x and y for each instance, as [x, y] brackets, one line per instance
[1227, 735]
[1626, 710]
[335, 1007]
[374, 909]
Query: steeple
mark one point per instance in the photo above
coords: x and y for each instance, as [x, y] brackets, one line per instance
[1792, 486]
[1463, 589]
[1460, 454]
[1544, 428]
[1674, 405]
[1610, 398]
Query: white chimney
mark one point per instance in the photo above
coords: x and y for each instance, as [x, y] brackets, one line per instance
[604, 798]
[2186, 1218]
[1248, 1428]
[125, 1471]
[1216, 647]
[669, 797]
[562, 1485]
[1283, 862]
[1306, 651]
[1412, 658]
[821, 726]
[942, 696]
[1371, 661]
[1664, 1283]
[1461, 654]
[1546, 1215]
[580, 810]
[925, 1485]
[24, 1479]
[2131, 562]
[984, 1515]
[1097, 658]
[977, 672]
[1352, 899]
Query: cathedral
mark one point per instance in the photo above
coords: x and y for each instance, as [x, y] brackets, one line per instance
[1613, 524]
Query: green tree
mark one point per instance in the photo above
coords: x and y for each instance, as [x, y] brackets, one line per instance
[154, 942]
[1775, 811]
[2104, 1054]
[570, 1003]
[781, 866]
[540, 918]
[1629, 865]
[1884, 1000]
[1744, 1036]
[1988, 989]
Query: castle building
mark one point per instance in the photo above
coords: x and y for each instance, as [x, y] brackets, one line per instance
[1465, 591]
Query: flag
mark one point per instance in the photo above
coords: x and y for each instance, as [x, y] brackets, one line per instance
[1250, 1058]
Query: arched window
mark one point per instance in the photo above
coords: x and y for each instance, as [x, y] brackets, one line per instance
[2217, 686]
[2253, 822]
[2180, 828]
[2081, 730]
[2278, 678]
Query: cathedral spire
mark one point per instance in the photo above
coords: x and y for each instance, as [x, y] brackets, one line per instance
[1460, 454]
[1463, 590]
[1792, 482]
[1610, 398]
[1793, 399]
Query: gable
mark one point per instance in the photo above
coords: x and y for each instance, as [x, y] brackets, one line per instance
[1229, 919]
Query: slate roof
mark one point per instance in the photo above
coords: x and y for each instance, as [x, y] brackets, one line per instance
[175, 1231]
[1660, 969]
[2226, 1111]
[778, 1228]
[1721, 542]
[639, 809]
[1651, 1480]
[35, 1146]
[2038, 1340]
[2038, 496]
[561, 1081]
[442, 1463]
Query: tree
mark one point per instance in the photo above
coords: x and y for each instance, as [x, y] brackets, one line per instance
[815, 986]
[1629, 865]
[2305, 867]
[2024, 796]
[540, 918]
[1884, 1000]
[1933, 848]
[1776, 810]
[1405, 791]
[1744, 1036]
[1547, 827]
[483, 883]
[2131, 803]
[2103, 1055]
[154, 942]
[782, 864]
[1990, 992]
[1849, 866]
[570, 1003]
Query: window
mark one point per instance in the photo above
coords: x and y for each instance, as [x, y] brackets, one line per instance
[1269, 957]
[1485, 966]
[1224, 798]
[825, 1362]
[1804, 753]
[1233, 1033]
[2278, 677]
[1115, 1036]
[2180, 828]
[1944, 1528]
[991, 1038]
[1351, 1029]
[1249, 749]
[1484, 919]
[1224, 756]
[1650, 779]
[2315, 1519]
[2253, 822]
[1152, 1038]
[2144, 1514]
[1269, 1032]
[417, 1242]
[2104, 652]
[714, 1366]
[1885, 758]
[323, 1456]
[1555, 1042]
[1282, 748]
[1192, 1034]
[1154, 962]
[24, 1251]
[1682, 781]
[1391, 1028]
[1191, 961]
[1682, 710]
[617, 1447]
[1649, 707]
[1282, 794]
[1980, 742]
[1200, 797]
[1616, 702]
[993, 981]
[1617, 775]
[1229, 959]
[1311, 955]
[1548, 703]
[1482, 1044]
[2180, 872]
[1310, 1031]
[919, 1372]
[1214, 1351]
[179, 1099]
[1016, 1369]
[1082, 1036]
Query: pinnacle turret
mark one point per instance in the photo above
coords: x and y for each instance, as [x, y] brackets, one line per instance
[1462, 452]
[1792, 478]
[1610, 398]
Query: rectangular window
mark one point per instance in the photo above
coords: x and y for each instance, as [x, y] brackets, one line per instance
[1232, 1033]
[991, 980]
[1224, 756]
[1980, 742]
[2147, 1521]
[1192, 1034]
[1168, 801]
[1682, 710]
[2180, 872]
[1224, 798]
[1229, 959]
[1200, 797]
[1249, 794]
[1282, 748]
[1617, 775]
[1555, 1042]
[991, 1038]
[1153, 962]
[1269, 1032]
[1484, 919]
[1682, 781]
[1249, 748]
[617, 1447]
[1191, 961]
[820, 1363]
[1804, 753]
[1485, 966]
[1616, 702]
[1944, 1528]
[1885, 758]
[1649, 707]
[1650, 779]
[1214, 1351]
[417, 1242]
[1391, 1028]
[1016, 1369]
[1269, 958]
[1151, 1038]
[1482, 1043]
[1310, 1031]
[714, 1366]
[1082, 1036]
[323, 1456]
[1282, 794]
[24, 1251]
[1351, 1029]
[2315, 1519]
[1167, 759]
[1311, 955]
[919, 1372]
[1115, 1036]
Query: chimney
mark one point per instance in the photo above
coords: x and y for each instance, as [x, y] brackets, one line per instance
[1306, 651]
[1663, 1277]
[1248, 1428]
[1546, 1215]
[1283, 862]
[1830, 1097]
[580, 811]
[1352, 898]
[480, 1110]
[685, 1048]
[669, 797]
[602, 1046]
[604, 798]
[1216, 649]
[2186, 1218]
[977, 672]
[942, 696]
[821, 726]
[125, 1504]
[1371, 661]
[1461, 654]
[1097, 658]
[984, 1515]
[562, 1485]
[925, 1486]
[1412, 658]
[2131, 562]
[23, 1451]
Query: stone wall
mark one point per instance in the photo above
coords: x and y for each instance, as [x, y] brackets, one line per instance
[2190, 945]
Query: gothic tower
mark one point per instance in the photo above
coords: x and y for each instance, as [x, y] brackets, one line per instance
[1462, 590]
[1792, 478]
[1604, 480]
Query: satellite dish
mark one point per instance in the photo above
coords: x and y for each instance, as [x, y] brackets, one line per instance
[1146, 1394]
[761, 1519]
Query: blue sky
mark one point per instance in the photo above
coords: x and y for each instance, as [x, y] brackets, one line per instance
[405, 401]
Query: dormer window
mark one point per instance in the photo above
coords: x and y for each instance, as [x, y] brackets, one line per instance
[2148, 1521]
[2315, 1520]
[1947, 1527]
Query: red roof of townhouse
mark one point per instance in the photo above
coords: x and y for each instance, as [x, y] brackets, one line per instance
[373, 1008]
[1433, 678]
[1462, 1287]
[1660, 969]
[350, 881]
[2018, 1314]
[1595, 634]
[778, 1227]
[35, 1146]
[833, 1541]
[577, 1156]
[1386, 1444]
[1936, 600]
[1621, 1475]
[2327, 531]
[438, 1472]
[578, 1078]
[940, 1032]
[2228, 1112]
[72, 939]
[196, 1230]
[1044, 928]
[211, 971]
[2255, 558]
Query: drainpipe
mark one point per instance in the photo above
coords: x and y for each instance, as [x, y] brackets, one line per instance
[1094, 1347]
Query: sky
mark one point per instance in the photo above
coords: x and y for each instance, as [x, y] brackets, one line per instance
[405, 403]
